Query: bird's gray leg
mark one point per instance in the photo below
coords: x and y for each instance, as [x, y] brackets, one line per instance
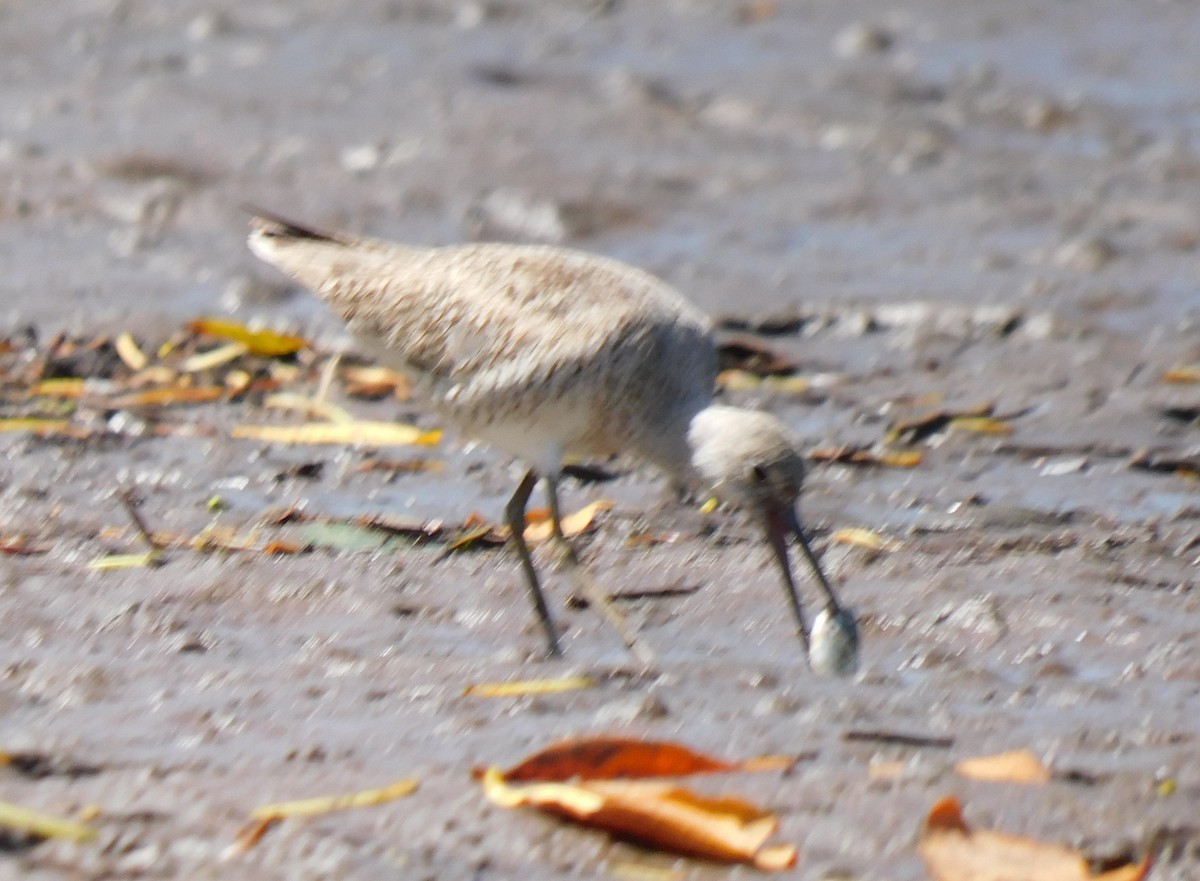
[515, 515]
[587, 585]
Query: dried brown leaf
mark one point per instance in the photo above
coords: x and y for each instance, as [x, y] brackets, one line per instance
[661, 815]
[952, 851]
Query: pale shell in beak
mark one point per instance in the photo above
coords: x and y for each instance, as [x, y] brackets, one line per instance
[833, 643]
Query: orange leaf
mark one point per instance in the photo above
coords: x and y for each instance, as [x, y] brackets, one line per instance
[660, 815]
[175, 394]
[1183, 373]
[538, 528]
[375, 381]
[954, 852]
[605, 758]
[1018, 766]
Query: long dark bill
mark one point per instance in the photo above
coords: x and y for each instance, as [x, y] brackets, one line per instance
[779, 526]
[792, 523]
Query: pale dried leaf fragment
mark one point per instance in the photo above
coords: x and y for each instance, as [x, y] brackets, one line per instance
[376, 381]
[952, 851]
[130, 352]
[266, 817]
[213, 358]
[661, 815]
[360, 433]
[309, 807]
[1016, 766]
[309, 407]
[861, 537]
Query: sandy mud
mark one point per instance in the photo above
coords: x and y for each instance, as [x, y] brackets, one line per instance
[934, 206]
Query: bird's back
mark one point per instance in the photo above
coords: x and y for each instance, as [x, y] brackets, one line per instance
[511, 339]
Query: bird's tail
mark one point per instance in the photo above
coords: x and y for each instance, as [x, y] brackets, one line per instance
[308, 255]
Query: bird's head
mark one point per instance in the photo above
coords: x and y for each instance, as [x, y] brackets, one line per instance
[751, 460]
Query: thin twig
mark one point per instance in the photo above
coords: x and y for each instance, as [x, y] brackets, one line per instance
[130, 501]
[899, 738]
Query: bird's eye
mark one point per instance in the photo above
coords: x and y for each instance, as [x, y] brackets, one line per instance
[759, 474]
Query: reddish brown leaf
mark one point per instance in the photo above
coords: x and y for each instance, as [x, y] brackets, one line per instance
[606, 758]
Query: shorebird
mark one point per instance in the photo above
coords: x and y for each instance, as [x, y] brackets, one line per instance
[552, 355]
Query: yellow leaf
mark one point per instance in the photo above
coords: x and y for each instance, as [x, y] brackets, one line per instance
[661, 815]
[129, 352]
[363, 434]
[44, 427]
[257, 342]
[69, 388]
[981, 425]
[126, 561]
[311, 806]
[788, 385]
[900, 458]
[528, 686]
[28, 822]
[213, 357]
[735, 380]
[1018, 766]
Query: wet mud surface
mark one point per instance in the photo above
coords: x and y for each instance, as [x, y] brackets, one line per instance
[939, 206]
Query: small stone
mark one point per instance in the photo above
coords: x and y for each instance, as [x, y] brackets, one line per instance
[862, 38]
[517, 214]
[1066, 465]
[646, 708]
[1046, 116]
[361, 159]
[1086, 254]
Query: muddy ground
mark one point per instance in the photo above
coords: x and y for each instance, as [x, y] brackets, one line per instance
[937, 203]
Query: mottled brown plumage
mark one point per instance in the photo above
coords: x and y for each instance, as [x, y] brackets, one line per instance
[551, 354]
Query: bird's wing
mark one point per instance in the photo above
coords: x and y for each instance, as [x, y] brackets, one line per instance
[466, 309]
